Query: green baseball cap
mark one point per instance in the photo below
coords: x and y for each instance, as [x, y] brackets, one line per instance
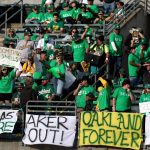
[144, 41]
[117, 27]
[35, 7]
[50, 7]
[27, 33]
[44, 78]
[65, 5]
[37, 75]
[122, 71]
[73, 1]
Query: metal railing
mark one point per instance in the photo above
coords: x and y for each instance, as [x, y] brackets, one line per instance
[51, 107]
[129, 9]
[8, 18]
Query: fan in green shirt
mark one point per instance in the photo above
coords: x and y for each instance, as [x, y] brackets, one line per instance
[79, 48]
[145, 97]
[34, 16]
[48, 17]
[6, 82]
[66, 14]
[103, 100]
[122, 97]
[92, 8]
[116, 42]
[143, 51]
[82, 90]
[45, 91]
[56, 26]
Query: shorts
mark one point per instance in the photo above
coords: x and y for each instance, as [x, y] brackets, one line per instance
[5, 96]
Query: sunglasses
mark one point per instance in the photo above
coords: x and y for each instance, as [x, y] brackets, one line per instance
[4, 69]
[73, 31]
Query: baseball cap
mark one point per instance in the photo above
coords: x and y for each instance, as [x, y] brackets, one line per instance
[122, 71]
[101, 13]
[50, 6]
[44, 78]
[35, 7]
[117, 27]
[64, 5]
[27, 33]
[72, 1]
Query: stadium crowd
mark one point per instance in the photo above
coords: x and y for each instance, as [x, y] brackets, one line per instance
[45, 66]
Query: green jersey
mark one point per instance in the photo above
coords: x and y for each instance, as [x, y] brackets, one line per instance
[76, 13]
[146, 54]
[80, 98]
[6, 83]
[118, 40]
[122, 97]
[65, 14]
[145, 98]
[44, 92]
[79, 50]
[133, 70]
[103, 100]
[56, 26]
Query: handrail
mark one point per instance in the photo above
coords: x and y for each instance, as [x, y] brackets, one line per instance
[128, 9]
[6, 17]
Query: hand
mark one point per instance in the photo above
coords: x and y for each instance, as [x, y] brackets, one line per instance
[80, 85]
[113, 109]
[106, 60]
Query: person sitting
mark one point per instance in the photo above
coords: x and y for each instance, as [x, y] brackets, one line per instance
[10, 40]
[29, 66]
[56, 26]
[101, 19]
[34, 16]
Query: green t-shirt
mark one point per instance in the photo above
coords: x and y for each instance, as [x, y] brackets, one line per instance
[33, 15]
[56, 26]
[58, 68]
[65, 14]
[144, 98]
[50, 54]
[45, 91]
[79, 50]
[133, 70]
[80, 98]
[103, 100]
[118, 40]
[8, 39]
[44, 69]
[146, 54]
[6, 83]
[76, 13]
[48, 17]
[122, 97]
[87, 15]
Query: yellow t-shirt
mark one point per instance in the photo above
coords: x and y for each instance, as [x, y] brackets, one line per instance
[26, 68]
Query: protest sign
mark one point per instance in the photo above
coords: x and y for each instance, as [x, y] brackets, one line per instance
[147, 130]
[8, 118]
[45, 129]
[111, 129]
[10, 57]
[144, 107]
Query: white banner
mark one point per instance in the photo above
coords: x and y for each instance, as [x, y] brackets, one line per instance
[147, 130]
[45, 129]
[144, 107]
[8, 118]
[10, 57]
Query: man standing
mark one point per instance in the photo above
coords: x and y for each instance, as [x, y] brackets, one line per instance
[116, 52]
[122, 98]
